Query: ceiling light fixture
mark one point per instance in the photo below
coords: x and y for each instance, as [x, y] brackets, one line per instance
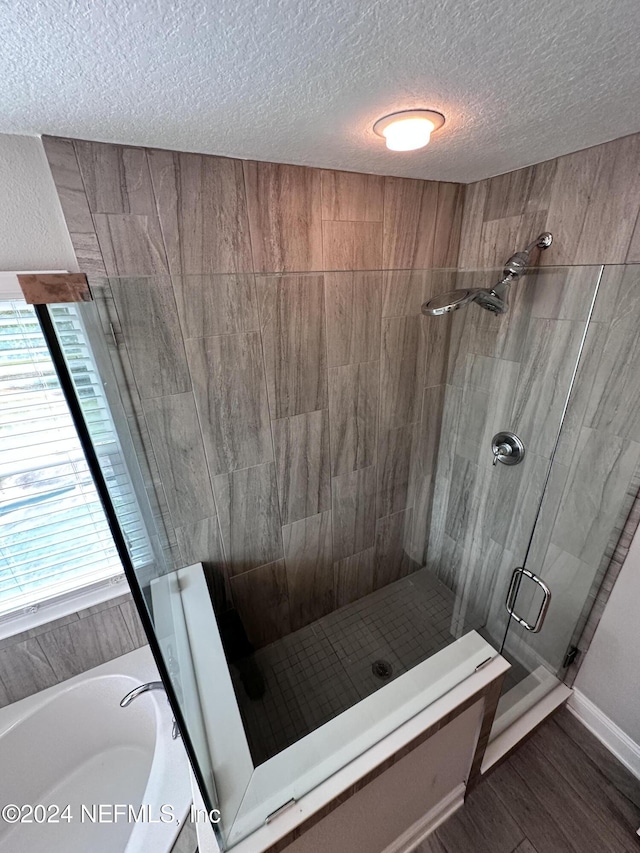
[408, 130]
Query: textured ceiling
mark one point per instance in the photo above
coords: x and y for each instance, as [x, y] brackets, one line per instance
[302, 82]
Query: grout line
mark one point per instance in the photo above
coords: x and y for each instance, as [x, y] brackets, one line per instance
[356, 221]
[326, 372]
[353, 363]
[276, 475]
[351, 556]
[127, 628]
[238, 470]
[248, 218]
[255, 569]
[243, 332]
[160, 485]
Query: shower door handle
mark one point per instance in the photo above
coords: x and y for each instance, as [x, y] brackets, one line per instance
[511, 596]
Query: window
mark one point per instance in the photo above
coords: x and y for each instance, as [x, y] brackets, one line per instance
[54, 536]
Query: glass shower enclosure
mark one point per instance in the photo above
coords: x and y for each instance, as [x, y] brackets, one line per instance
[339, 533]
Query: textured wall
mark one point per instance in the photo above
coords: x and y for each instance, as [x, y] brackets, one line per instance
[610, 673]
[32, 230]
[278, 417]
[513, 373]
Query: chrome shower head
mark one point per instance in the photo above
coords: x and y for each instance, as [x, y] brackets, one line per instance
[445, 303]
[495, 300]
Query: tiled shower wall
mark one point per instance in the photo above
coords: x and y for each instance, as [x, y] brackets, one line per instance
[509, 373]
[278, 417]
[356, 413]
[589, 200]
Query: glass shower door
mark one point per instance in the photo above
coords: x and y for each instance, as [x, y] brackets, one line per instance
[510, 373]
[593, 482]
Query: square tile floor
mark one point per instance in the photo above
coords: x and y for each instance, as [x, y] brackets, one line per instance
[317, 672]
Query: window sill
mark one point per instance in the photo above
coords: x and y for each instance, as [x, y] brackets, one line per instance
[49, 611]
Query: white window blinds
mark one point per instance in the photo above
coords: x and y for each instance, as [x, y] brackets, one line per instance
[54, 536]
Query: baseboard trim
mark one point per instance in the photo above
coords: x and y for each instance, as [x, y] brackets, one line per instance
[422, 828]
[626, 750]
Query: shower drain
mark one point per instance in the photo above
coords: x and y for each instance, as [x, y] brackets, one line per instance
[382, 669]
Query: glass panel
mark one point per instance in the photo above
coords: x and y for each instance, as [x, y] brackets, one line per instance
[593, 481]
[85, 337]
[55, 539]
[84, 349]
[286, 428]
[509, 372]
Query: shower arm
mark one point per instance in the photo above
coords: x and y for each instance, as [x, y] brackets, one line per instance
[518, 263]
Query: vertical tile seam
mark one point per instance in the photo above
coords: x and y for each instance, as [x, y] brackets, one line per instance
[161, 479]
[164, 241]
[465, 199]
[126, 625]
[634, 230]
[329, 430]
[421, 368]
[156, 208]
[378, 428]
[436, 221]
[4, 687]
[271, 433]
[461, 204]
[250, 230]
[43, 649]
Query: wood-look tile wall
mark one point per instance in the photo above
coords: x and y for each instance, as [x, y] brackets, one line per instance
[513, 372]
[44, 656]
[278, 418]
[589, 200]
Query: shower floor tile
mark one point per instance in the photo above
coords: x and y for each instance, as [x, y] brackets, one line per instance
[321, 670]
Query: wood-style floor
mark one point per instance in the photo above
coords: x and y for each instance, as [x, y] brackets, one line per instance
[560, 792]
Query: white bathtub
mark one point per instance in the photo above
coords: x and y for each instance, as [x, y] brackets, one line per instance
[73, 745]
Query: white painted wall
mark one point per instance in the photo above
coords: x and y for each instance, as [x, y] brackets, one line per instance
[33, 234]
[610, 674]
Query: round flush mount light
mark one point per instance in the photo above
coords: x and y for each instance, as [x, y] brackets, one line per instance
[408, 130]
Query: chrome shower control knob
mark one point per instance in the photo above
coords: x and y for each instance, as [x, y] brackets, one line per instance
[507, 448]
